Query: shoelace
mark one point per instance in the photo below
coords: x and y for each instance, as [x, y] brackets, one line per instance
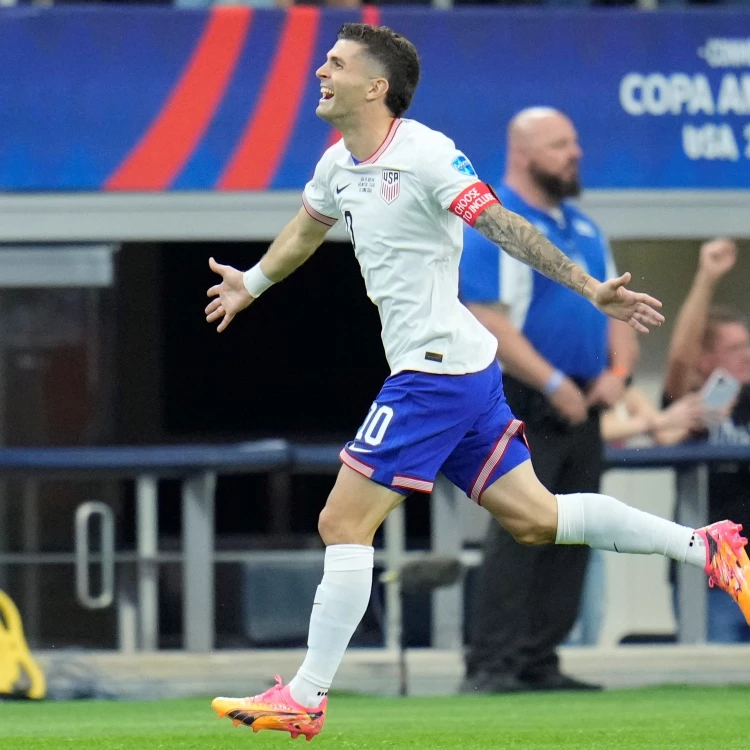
[271, 696]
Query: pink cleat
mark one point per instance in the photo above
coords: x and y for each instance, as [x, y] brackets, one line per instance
[727, 564]
[274, 709]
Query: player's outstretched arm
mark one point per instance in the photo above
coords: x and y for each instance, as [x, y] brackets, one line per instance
[296, 242]
[521, 240]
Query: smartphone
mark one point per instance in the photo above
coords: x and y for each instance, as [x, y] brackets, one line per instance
[719, 390]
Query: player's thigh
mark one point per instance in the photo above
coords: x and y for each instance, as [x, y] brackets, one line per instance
[355, 509]
[522, 505]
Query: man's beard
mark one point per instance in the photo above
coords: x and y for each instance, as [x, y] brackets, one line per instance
[556, 188]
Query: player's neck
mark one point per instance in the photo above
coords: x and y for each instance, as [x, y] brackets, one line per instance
[364, 138]
[531, 193]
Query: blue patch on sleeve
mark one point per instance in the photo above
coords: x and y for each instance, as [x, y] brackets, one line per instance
[463, 165]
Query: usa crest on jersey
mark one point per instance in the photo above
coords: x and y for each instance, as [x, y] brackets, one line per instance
[390, 185]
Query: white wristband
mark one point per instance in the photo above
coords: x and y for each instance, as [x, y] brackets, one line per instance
[256, 282]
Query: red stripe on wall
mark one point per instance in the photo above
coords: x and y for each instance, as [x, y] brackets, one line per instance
[165, 148]
[256, 158]
[370, 15]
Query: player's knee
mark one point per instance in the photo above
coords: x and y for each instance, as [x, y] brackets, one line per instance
[327, 525]
[336, 529]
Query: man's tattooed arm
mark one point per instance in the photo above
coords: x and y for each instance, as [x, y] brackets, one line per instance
[523, 241]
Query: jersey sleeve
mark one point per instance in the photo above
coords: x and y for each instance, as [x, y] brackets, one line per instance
[452, 180]
[317, 197]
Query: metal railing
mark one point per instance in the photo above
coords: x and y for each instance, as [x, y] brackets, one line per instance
[197, 468]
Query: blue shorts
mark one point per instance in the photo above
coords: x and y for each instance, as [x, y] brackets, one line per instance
[422, 423]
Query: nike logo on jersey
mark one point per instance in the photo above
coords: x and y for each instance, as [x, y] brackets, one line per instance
[358, 450]
[339, 189]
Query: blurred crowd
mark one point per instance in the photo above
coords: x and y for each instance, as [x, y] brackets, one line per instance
[705, 393]
[706, 390]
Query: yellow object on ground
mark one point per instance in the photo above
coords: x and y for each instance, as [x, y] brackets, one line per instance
[20, 675]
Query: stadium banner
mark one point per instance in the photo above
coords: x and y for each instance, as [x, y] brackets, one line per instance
[138, 98]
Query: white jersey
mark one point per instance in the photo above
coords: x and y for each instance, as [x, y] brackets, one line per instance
[401, 208]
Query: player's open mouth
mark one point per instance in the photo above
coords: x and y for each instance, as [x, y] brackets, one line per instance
[325, 93]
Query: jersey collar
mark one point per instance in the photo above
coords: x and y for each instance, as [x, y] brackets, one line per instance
[395, 125]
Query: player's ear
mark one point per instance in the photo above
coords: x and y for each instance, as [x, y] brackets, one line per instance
[378, 89]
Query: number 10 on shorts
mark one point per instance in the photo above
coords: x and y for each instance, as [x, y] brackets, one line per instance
[376, 423]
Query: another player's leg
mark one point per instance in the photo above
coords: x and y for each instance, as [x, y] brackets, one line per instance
[353, 513]
[535, 516]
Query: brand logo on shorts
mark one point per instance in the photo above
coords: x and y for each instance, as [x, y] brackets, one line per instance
[433, 357]
[390, 185]
[359, 450]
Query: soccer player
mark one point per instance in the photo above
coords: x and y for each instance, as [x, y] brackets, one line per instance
[402, 191]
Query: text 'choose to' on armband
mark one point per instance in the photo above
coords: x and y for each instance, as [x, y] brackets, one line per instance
[472, 201]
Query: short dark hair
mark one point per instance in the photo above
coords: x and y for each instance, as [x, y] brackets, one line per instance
[720, 315]
[395, 54]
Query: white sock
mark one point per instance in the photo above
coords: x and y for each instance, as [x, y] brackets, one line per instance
[340, 603]
[602, 522]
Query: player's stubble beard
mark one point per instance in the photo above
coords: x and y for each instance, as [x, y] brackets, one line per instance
[339, 121]
[555, 187]
[345, 115]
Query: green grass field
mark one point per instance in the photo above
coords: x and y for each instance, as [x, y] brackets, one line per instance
[679, 718]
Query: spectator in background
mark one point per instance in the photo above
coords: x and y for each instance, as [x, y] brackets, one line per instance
[634, 416]
[705, 339]
[562, 364]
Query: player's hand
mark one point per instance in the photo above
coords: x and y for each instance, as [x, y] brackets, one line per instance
[231, 295]
[570, 402]
[716, 258]
[607, 390]
[638, 310]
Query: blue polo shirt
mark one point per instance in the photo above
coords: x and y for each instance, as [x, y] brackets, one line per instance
[562, 326]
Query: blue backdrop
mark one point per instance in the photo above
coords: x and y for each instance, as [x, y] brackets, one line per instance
[134, 98]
